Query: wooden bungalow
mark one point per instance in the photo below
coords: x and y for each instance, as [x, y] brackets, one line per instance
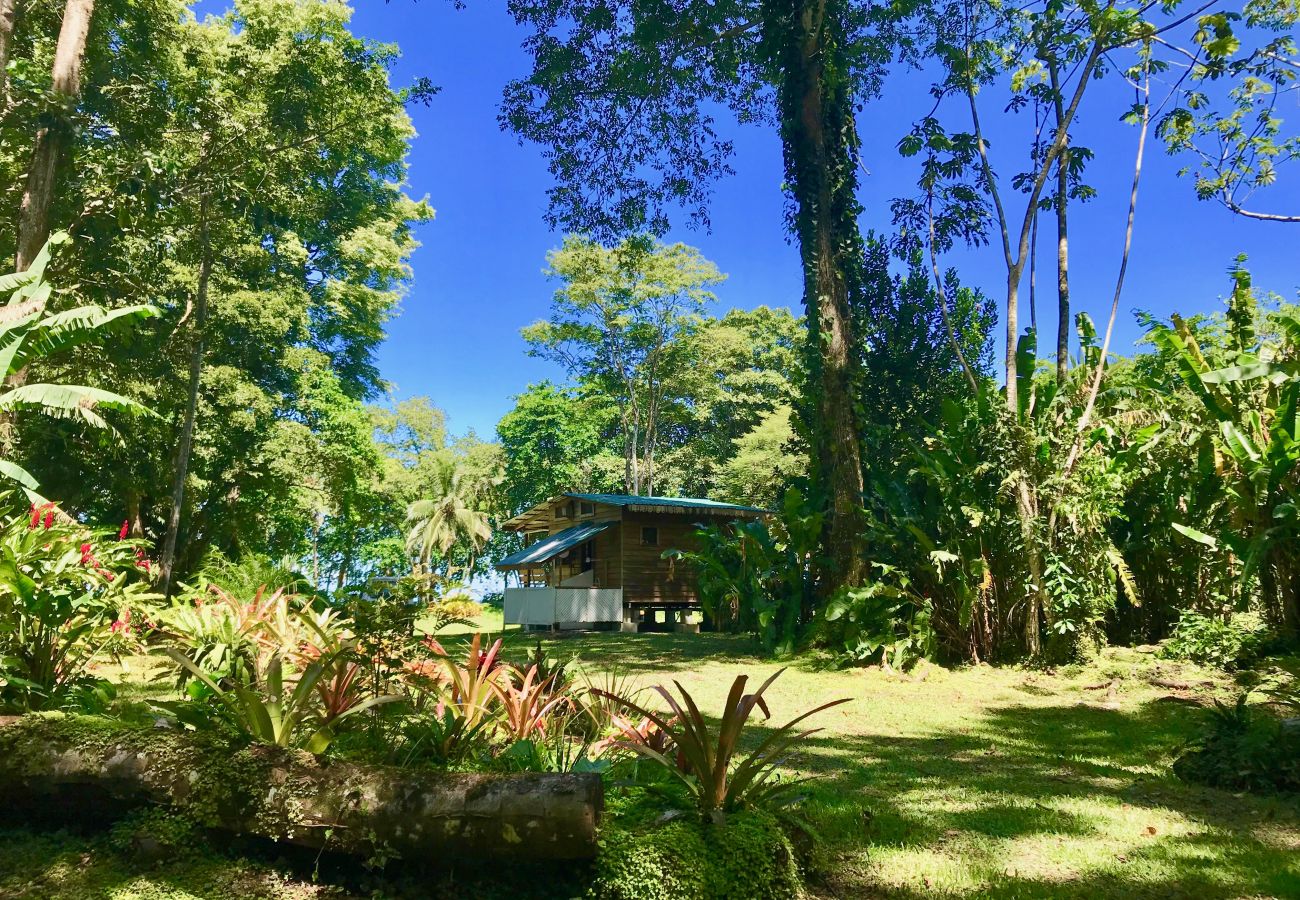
[592, 559]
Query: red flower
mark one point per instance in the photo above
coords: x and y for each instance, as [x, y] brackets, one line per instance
[126, 527]
[36, 517]
[49, 517]
[123, 624]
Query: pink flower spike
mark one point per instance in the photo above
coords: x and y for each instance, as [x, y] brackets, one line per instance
[126, 529]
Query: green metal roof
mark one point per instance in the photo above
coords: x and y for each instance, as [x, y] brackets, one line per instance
[553, 546]
[686, 502]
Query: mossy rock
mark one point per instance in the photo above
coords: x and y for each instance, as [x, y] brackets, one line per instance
[747, 856]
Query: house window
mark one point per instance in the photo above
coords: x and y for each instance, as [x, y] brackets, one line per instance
[586, 508]
[564, 511]
[650, 536]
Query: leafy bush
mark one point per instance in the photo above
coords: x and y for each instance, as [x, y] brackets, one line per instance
[68, 595]
[266, 709]
[884, 618]
[251, 573]
[760, 576]
[224, 635]
[685, 860]
[706, 762]
[1243, 748]
[1211, 641]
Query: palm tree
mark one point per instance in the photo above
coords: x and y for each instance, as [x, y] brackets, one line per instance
[450, 516]
[29, 333]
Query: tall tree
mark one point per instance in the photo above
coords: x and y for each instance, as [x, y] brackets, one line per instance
[622, 96]
[616, 322]
[53, 137]
[286, 126]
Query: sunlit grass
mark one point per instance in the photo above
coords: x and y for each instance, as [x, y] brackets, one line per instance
[975, 782]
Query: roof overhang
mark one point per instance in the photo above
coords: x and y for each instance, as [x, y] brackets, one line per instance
[535, 519]
[538, 518]
[548, 548]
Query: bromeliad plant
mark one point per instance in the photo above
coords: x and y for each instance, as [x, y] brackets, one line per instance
[226, 636]
[531, 704]
[268, 710]
[455, 702]
[302, 709]
[67, 594]
[710, 764]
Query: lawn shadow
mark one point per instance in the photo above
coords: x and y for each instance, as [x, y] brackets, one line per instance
[1045, 774]
[635, 653]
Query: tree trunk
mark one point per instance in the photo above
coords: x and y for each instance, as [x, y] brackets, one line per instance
[134, 516]
[297, 798]
[185, 446]
[1062, 239]
[8, 17]
[1026, 506]
[52, 138]
[819, 141]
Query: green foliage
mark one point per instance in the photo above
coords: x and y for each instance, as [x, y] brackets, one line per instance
[69, 595]
[223, 634]
[726, 428]
[884, 619]
[684, 860]
[250, 574]
[1243, 748]
[760, 575]
[31, 334]
[617, 323]
[1246, 423]
[1212, 641]
[718, 779]
[275, 130]
[231, 656]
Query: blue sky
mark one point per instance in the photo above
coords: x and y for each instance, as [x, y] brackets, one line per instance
[477, 277]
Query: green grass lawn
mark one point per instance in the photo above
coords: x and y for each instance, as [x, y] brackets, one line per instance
[977, 782]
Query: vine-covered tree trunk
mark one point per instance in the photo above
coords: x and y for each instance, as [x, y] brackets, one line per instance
[297, 798]
[52, 138]
[819, 137]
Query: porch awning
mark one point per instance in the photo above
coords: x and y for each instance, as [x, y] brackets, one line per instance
[552, 546]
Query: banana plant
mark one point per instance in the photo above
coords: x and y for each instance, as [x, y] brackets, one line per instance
[30, 333]
[1252, 422]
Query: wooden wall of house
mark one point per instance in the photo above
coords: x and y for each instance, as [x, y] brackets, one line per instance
[647, 576]
[603, 513]
[608, 564]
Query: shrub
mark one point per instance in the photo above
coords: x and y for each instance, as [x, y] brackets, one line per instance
[455, 609]
[760, 576]
[67, 595]
[883, 620]
[1243, 748]
[704, 761]
[224, 635]
[750, 856]
[1211, 641]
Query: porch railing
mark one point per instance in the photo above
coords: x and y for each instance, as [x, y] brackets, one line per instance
[563, 606]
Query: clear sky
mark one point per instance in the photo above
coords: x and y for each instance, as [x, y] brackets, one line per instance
[477, 277]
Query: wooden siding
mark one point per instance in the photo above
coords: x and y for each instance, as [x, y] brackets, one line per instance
[647, 577]
[620, 560]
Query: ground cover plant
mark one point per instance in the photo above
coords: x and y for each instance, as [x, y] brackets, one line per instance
[971, 782]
